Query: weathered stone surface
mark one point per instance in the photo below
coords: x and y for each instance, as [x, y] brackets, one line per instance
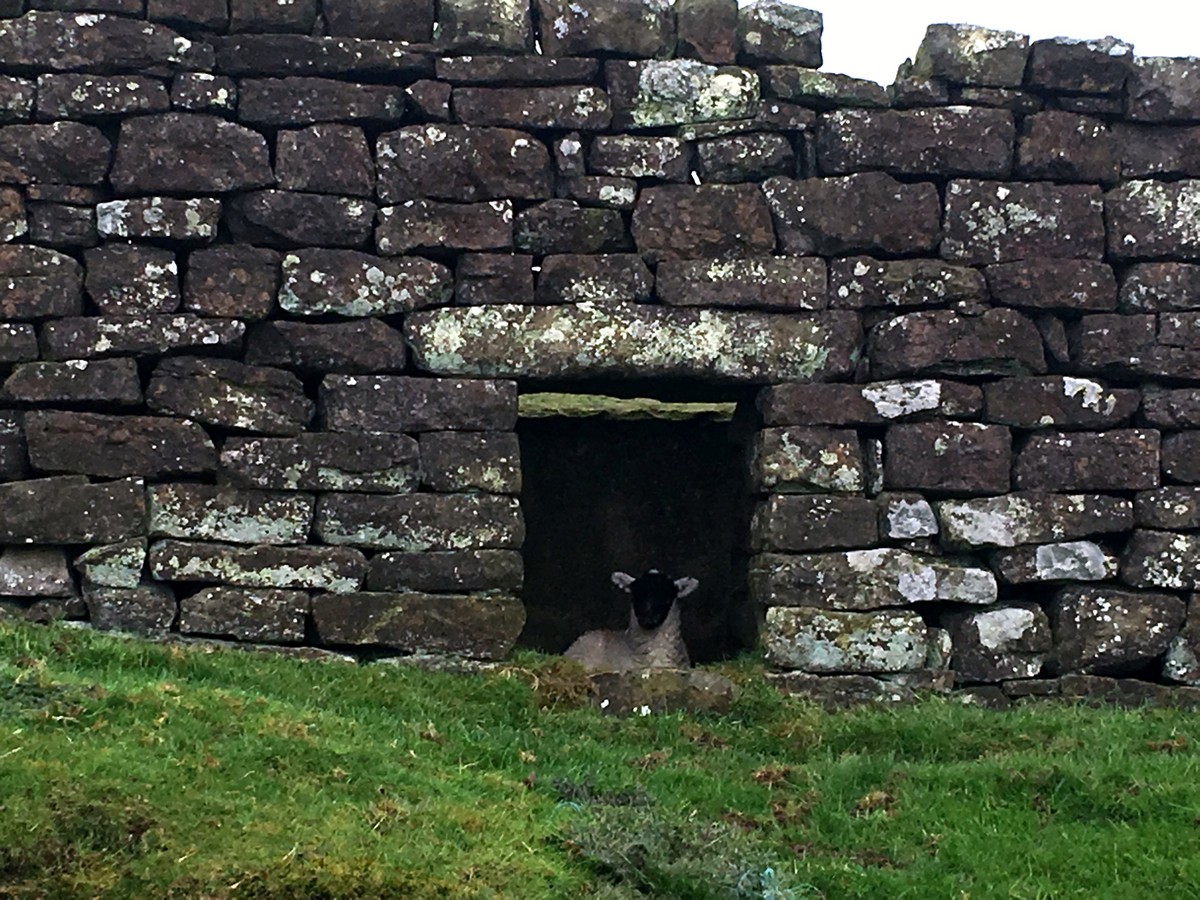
[967, 54]
[451, 571]
[1064, 561]
[208, 513]
[834, 692]
[745, 157]
[704, 221]
[481, 626]
[35, 572]
[16, 99]
[416, 522]
[1182, 660]
[153, 335]
[1164, 89]
[168, 218]
[1127, 345]
[270, 15]
[816, 640]
[951, 457]
[245, 615]
[860, 213]
[1116, 460]
[707, 30]
[188, 153]
[429, 101]
[484, 25]
[668, 92]
[13, 221]
[1064, 64]
[325, 159]
[1063, 146]
[284, 102]
[18, 343]
[113, 565]
[14, 460]
[493, 278]
[203, 92]
[782, 283]
[116, 446]
[68, 510]
[351, 283]
[992, 222]
[107, 381]
[36, 282]
[59, 225]
[1031, 518]
[864, 580]
[338, 569]
[461, 162]
[906, 517]
[394, 403]
[230, 394]
[144, 608]
[1160, 287]
[563, 226]
[1149, 219]
[406, 20]
[1171, 408]
[861, 282]
[107, 44]
[802, 459]
[772, 31]
[453, 461]
[822, 90]
[1181, 457]
[1058, 401]
[558, 106]
[128, 279]
[291, 219]
[323, 461]
[61, 153]
[293, 54]
[1162, 559]
[999, 342]
[1107, 631]
[492, 69]
[71, 96]
[1009, 641]
[363, 345]
[578, 278]
[621, 339]
[793, 522]
[637, 28]
[430, 224]
[958, 140]
[234, 281]
[1058, 284]
[657, 691]
[637, 156]
[1171, 508]
[1148, 151]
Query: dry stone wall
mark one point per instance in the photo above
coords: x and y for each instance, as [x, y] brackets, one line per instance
[271, 275]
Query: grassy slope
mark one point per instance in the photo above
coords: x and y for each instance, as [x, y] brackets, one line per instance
[129, 769]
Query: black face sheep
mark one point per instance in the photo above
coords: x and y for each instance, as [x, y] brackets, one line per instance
[652, 640]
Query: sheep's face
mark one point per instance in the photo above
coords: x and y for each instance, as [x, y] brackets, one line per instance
[653, 594]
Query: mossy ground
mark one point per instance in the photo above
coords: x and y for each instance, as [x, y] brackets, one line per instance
[130, 769]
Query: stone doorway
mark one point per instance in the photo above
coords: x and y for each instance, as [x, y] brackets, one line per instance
[630, 483]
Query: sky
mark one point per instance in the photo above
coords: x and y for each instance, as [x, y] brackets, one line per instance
[870, 38]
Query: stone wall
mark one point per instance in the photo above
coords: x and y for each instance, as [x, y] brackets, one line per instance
[274, 274]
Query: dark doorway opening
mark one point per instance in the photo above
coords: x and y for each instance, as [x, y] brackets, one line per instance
[664, 489]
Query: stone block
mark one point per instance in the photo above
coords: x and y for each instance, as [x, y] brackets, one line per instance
[1062, 561]
[1171, 407]
[637, 28]
[484, 25]
[1148, 151]
[492, 69]
[821, 90]
[188, 153]
[860, 282]
[328, 158]
[999, 643]
[1058, 401]
[416, 522]
[17, 96]
[1062, 146]
[1164, 89]
[586, 278]
[947, 457]
[131, 279]
[433, 225]
[117, 565]
[1149, 219]
[352, 283]
[270, 15]
[1107, 631]
[202, 91]
[14, 459]
[36, 282]
[1031, 518]
[161, 218]
[825, 641]
[560, 107]
[294, 219]
[35, 572]
[61, 226]
[13, 217]
[105, 381]
[638, 156]
[202, 15]
[230, 394]
[337, 569]
[68, 510]
[1171, 508]
[148, 335]
[205, 512]
[1182, 660]
[357, 346]
[234, 281]
[262, 615]
[117, 446]
[707, 30]
[59, 153]
[493, 278]
[1064, 64]
[772, 31]
[454, 461]
[803, 459]
[1180, 460]
[1116, 460]
[744, 157]
[289, 102]
[1159, 287]
[397, 403]
[1162, 559]
[563, 226]
[324, 461]
[259, 55]
[407, 20]
[442, 571]
[798, 522]
[780, 283]
[662, 93]
[77, 96]
[1055, 284]
[906, 517]
[999, 342]
[145, 608]
[722, 221]
[968, 54]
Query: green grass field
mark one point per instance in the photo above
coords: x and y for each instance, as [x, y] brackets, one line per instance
[130, 769]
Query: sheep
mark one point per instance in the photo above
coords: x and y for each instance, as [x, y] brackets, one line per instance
[652, 640]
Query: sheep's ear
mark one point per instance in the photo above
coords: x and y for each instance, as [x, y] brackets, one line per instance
[623, 581]
[684, 586]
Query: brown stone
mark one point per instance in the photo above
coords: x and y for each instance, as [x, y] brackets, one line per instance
[1095, 67]
[14, 460]
[1171, 408]
[245, 614]
[1000, 342]
[260, 55]
[463, 163]
[707, 30]
[269, 15]
[1099, 629]
[18, 343]
[291, 218]
[105, 381]
[68, 510]
[780, 283]
[561, 107]
[1147, 151]
[446, 571]
[284, 102]
[991, 222]
[416, 522]
[324, 461]
[351, 283]
[821, 90]
[455, 461]
[861, 282]
[206, 15]
[854, 214]
[1164, 89]
[152, 335]
[745, 157]
[325, 159]
[947, 457]
[1059, 402]
[1170, 508]
[165, 218]
[393, 403]
[429, 101]
[1121, 459]
[637, 28]
[968, 54]
[871, 404]
[36, 283]
[128, 279]
[35, 572]
[117, 446]
[578, 278]
[772, 31]
[357, 346]
[640, 156]
[230, 394]
[1031, 518]
[188, 153]
[203, 92]
[231, 281]
[143, 609]
[484, 25]
[1160, 287]
[62, 153]
[1002, 642]
[705, 221]
[74, 96]
[798, 522]
[489, 69]
[13, 217]
[1059, 561]
[801, 459]
[61, 226]
[563, 226]
[431, 225]
[491, 278]
[408, 20]
[263, 566]
[1180, 459]
[1062, 146]
[1059, 284]
[16, 99]
[1149, 219]
[1127, 346]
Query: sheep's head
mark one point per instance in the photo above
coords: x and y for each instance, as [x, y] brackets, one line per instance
[653, 594]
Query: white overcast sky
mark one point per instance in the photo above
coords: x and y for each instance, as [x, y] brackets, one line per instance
[870, 39]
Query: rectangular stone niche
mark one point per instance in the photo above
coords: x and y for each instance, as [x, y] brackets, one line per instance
[633, 483]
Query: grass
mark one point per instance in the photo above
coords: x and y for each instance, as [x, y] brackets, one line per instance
[130, 769]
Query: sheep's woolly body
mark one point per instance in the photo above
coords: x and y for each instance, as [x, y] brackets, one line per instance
[634, 648]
